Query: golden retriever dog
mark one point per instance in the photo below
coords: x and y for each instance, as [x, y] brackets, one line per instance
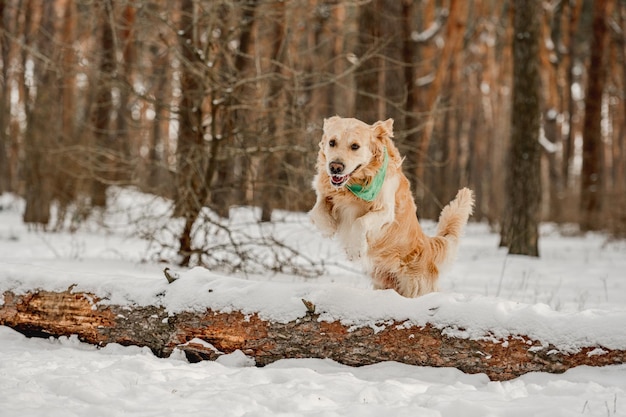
[365, 200]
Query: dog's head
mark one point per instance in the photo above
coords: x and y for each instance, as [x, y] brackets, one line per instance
[352, 149]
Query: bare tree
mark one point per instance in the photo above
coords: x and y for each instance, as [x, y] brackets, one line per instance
[232, 173]
[189, 151]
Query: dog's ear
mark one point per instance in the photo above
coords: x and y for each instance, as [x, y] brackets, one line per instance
[321, 144]
[329, 120]
[383, 129]
[326, 123]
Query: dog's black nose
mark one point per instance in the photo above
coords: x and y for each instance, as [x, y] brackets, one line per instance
[336, 168]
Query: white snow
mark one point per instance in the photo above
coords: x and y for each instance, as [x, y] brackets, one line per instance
[573, 296]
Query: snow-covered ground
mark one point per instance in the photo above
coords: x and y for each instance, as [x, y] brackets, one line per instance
[574, 294]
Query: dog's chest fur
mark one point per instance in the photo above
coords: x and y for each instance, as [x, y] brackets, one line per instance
[360, 222]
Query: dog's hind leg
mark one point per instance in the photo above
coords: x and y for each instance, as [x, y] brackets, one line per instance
[384, 280]
[418, 281]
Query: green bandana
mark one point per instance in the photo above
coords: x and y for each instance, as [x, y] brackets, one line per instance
[369, 191]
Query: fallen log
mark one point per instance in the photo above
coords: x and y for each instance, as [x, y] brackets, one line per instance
[209, 334]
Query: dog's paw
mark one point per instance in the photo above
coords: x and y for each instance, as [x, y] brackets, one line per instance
[356, 251]
[353, 254]
[325, 224]
[327, 233]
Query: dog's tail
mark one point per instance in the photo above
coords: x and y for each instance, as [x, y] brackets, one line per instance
[454, 216]
[452, 220]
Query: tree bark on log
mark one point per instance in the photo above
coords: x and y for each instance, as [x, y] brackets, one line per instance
[45, 313]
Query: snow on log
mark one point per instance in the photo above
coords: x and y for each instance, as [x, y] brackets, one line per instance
[207, 333]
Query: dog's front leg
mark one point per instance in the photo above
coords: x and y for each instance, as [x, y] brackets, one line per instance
[355, 242]
[321, 217]
[370, 225]
[366, 228]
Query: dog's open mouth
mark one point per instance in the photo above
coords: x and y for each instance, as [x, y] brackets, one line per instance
[339, 180]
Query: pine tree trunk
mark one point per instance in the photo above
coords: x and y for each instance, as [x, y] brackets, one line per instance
[103, 107]
[42, 121]
[368, 96]
[523, 184]
[125, 170]
[5, 173]
[592, 171]
[570, 80]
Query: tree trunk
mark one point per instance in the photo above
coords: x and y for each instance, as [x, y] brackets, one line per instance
[5, 173]
[454, 34]
[209, 334]
[231, 172]
[42, 120]
[272, 192]
[65, 186]
[381, 79]
[556, 188]
[190, 152]
[158, 182]
[592, 170]
[553, 97]
[368, 96]
[619, 145]
[103, 108]
[125, 170]
[523, 184]
[570, 79]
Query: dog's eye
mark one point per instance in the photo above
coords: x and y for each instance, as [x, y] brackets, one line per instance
[355, 146]
[332, 143]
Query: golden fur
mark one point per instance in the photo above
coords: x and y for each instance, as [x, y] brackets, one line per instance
[384, 233]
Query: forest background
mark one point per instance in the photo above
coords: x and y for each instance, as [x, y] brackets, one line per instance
[219, 103]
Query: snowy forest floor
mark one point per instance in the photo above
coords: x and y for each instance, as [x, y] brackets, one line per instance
[576, 277]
